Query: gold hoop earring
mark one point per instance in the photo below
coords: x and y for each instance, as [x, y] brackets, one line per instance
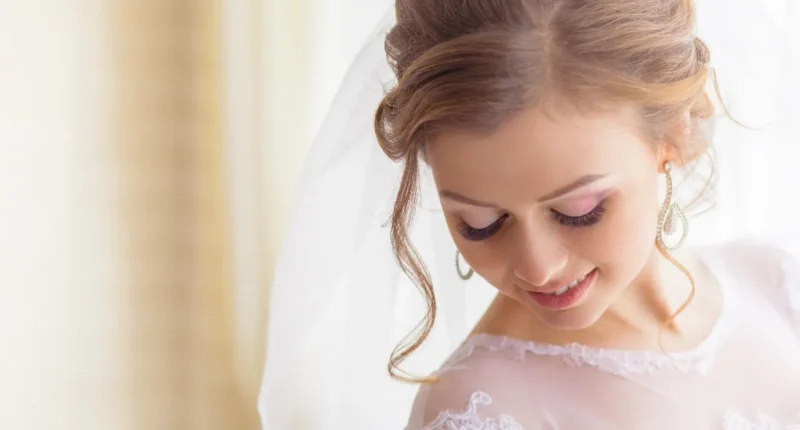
[671, 215]
[461, 274]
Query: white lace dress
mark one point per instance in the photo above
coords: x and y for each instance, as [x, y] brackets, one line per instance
[745, 375]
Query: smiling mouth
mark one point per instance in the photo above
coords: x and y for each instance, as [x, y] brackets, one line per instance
[567, 295]
[567, 287]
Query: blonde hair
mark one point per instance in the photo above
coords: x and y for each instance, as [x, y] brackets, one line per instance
[473, 64]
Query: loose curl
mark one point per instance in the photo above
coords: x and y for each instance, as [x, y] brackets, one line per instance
[473, 64]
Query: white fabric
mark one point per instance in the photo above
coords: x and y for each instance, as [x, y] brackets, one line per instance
[339, 302]
[745, 375]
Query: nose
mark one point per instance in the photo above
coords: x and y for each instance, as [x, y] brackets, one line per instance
[540, 257]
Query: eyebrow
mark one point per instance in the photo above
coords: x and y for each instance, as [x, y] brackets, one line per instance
[579, 183]
[466, 200]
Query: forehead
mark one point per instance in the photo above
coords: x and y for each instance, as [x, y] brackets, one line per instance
[545, 151]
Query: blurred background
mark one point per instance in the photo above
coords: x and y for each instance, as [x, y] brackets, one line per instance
[149, 152]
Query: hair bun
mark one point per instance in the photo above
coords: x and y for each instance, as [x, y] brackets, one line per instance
[701, 51]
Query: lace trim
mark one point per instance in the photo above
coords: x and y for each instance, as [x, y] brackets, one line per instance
[617, 362]
[469, 418]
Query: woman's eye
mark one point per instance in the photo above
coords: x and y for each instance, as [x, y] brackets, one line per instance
[479, 234]
[586, 220]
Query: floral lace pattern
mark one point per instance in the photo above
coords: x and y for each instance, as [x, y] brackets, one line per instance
[617, 362]
[469, 419]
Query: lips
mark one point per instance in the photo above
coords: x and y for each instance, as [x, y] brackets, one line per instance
[566, 288]
[567, 295]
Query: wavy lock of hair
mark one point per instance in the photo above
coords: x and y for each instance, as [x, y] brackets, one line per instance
[473, 64]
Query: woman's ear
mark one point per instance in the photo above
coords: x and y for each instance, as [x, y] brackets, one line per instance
[675, 147]
[667, 152]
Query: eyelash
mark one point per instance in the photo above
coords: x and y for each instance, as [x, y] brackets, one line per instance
[479, 234]
[586, 220]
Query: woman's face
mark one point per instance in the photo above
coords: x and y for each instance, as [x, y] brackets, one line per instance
[558, 213]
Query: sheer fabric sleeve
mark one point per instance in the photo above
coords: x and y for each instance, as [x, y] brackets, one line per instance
[789, 289]
[468, 396]
[484, 389]
[770, 271]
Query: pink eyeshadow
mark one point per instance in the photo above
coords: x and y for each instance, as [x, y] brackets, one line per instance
[583, 204]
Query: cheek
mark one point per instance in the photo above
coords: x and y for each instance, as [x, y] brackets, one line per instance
[624, 238]
[486, 258]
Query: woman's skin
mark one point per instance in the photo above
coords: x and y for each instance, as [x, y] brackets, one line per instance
[547, 199]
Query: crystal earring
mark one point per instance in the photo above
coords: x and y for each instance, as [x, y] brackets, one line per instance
[462, 275]
[671, 215]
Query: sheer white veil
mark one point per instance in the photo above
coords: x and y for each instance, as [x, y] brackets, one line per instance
[339, 301]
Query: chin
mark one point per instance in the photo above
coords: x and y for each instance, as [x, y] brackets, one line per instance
[575, 319]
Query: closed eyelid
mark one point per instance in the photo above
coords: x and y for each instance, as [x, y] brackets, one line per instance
[480, 220]
[578, 205]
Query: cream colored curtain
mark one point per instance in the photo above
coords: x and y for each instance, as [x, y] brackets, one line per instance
[117, 294]
[170, 127]
[148, 154]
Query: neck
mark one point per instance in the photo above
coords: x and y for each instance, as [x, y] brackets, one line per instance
[636, 320]
[651, 299]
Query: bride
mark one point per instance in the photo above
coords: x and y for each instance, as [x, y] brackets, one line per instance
[541, 142]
